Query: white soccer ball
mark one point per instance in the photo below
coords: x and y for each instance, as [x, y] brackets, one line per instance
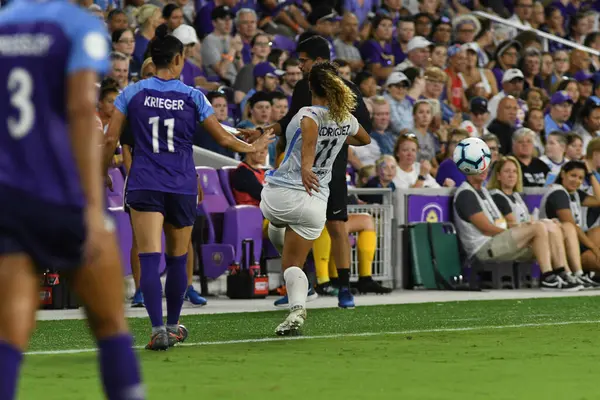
[472, 156]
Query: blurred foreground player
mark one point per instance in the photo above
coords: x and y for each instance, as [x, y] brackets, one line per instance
[295, 197]
[51, 188]
[162, 190]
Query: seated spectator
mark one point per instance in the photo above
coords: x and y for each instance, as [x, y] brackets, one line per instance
[561, 66]
[266, 79]
[246, 22]
[386, 172]
[534, 170]
[428, 143]
[124, 43]
[202, 138]
[435, 80]
[344, 69]
[149, 17]
[365, 174]
[173, 16]
[279, 108]
[248, 179]
[554, 157]
[259, 111]
[588, 122]
[345, 44]
[377, 51]
[592, 158]
[448, 171]
[466, 27]
[366, 83]
[381, 124]
[585, 84]
[534, 120]
[119, 69]
[565, 201]
[505, 185]
[116, 20]
[504, 125]
[292, 75]
[485, 236]
[547, 71]
[531, 65]
[506, 57]
[555, 25]
[439, 56]
[478, 116]
[561, 106]
[442, 34]
[400, 108]
[574, 147]
[417, 54]
[411, 173]
[512, 85]
[494, 145]
[570, 86]
[457, 64]
[322, 20]
[106, 106]
[260, 48]
[191, 74]
[404, 33]
[535, 98]
[476, 80]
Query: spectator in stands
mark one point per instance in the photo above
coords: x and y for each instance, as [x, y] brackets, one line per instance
[191, 74]
[512, 85]
[506, 57]
[410, 173]
[221, 54]
[554, 157]
[149, 17]
[535, 98]
[466, 27]
[494, 145]
[361, 10]
[248, 179]
[386, 172]
[547, 71]
[345, 43]
[561, 66]
[477, 81]
[405, 33]
[366, 83]
[392, 8]
[245, 82]
[504, 186]
[124, 43]
[377, 51]
[429, 144]
[448, 169]
[575, 147]
[246, 27]
[578, 29]
[585, 85]
[266, 79]
[203, 21]
[106, 106]
[485, 41]
[561, 105]
[442, 32]
[554, 25]
[116, 20]
[534, 170]
[259, 111]
[530, 65]
[279, 106]
[478, 117]
[173, 16]
[292, 75]
[564, 201]
[457, 64]
[593, 40]
[592, 158]
[579, 61]
[418, 51]
[400, 108]
[505, 123]
[588, 123]
[322, 20]
[439, 56]
[435, 80]
[535, 121]
[523, 14]
[218, 100]
[483, 233]
[381, 124]
[343, 69]
[423, 24]
[119, 69]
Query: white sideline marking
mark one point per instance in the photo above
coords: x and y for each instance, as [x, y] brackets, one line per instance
[341, 335]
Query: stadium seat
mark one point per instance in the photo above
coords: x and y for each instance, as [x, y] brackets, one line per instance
[240, 223]
[115, 196]
[225, 177]
[125, 237]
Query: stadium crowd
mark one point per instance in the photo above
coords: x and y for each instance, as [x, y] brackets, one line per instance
[431, 72]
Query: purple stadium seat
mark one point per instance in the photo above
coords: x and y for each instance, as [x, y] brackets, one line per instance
[123, 228]
[350, 175]
[243, 222]
[115, 196]
[225, 177]
[214, 198]
[284, 43]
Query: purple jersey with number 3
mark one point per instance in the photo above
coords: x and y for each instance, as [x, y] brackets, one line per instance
[163, 116]
[41, 44]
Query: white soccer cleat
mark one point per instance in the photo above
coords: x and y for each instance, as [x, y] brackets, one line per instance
[292, 324]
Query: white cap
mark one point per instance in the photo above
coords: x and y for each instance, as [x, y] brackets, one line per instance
[511, 74]
[473, 46]
[418, 42]
[396, 77]
[186, 34]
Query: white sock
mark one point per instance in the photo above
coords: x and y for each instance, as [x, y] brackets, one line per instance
[578, 273]
[277, 237]
[296, 284]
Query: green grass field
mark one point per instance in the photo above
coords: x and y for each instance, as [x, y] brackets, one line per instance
[517, 349]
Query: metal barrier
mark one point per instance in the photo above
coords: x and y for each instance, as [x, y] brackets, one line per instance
[383, 215]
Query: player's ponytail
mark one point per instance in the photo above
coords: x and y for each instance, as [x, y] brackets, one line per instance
[325, 83]
[164, 47]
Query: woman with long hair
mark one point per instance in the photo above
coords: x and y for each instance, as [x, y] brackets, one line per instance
[124, 42]
[477, 81]
[377, 51]
[162, 185]
[505, 186]
[429, 145]
[149, 17]
[410, 173]
[294, 199]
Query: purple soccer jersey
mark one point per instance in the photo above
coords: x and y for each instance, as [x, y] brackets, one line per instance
[41, 44]
[163, 116]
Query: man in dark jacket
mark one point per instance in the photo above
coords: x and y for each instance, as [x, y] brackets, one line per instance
[504, 124]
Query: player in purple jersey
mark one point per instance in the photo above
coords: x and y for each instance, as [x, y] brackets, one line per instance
[51, 189]
[162, 185]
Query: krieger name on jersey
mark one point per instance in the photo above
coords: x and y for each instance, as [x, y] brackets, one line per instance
[167, 104]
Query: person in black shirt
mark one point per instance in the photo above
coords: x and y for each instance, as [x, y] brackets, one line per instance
[534, 170]
[504, 124]
[313, 50]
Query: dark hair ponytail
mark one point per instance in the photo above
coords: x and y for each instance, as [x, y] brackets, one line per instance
[568, 167]
[164, 47]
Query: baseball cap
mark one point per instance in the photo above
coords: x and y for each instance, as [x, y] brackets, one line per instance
[395, 78]
[266, 68]
[454, 50]
[186, 34]
[473, 46]
[323, 13]
[221, 12]
[511, 74]
[418, 42]
[478, 105]
[560, 97]
[582, 76]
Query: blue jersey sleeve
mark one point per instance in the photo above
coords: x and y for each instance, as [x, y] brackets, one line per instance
[89, 44]
[121, 103]
[123, 99]
[203, 106]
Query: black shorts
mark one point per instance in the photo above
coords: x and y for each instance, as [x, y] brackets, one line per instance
[52, 235]
[179, 210]
[337, 204]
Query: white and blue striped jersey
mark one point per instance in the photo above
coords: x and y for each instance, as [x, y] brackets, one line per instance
[330, 141]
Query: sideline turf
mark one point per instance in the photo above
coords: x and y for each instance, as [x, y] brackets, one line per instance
[558, 362]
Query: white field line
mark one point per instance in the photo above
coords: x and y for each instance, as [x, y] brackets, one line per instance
[336, 336]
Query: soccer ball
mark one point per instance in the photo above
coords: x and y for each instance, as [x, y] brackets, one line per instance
[472, 156]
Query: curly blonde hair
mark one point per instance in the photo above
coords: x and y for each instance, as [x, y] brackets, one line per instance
[325, 83]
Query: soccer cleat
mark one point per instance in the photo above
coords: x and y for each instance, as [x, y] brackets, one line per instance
[556, 283]
[138, 299]
[194, 297]
[368, 285]
[327, 289]
[283, 302]
[177, 336]
[292, 324]
[158, 342]
[345, 298]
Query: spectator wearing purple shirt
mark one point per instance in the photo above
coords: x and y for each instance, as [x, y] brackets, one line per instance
[507, 57]
[246, 26]
[361, 11]
[392, 9]
[203, 22]
[322, 21]
[244, 81]
[404, 34]
[148, 18]
[191, 74]
[448, 168]
[377, 51]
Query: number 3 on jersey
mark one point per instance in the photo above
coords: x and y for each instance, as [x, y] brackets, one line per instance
[327, 147]
[170, 125]
[20, 86]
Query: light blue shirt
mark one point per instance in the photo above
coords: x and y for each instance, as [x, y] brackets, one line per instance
[400, 114]
[550, 125]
